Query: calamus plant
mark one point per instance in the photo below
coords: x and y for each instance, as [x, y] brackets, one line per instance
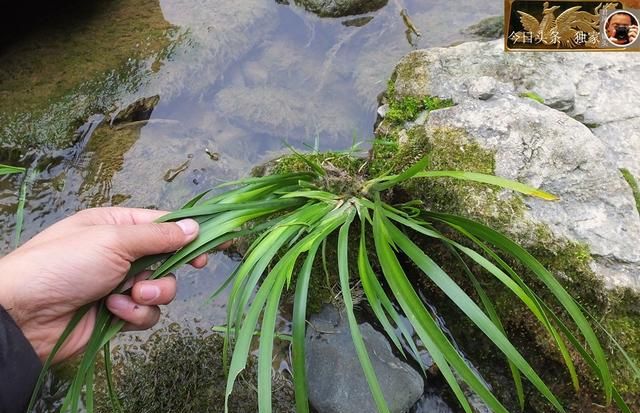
[291, 216]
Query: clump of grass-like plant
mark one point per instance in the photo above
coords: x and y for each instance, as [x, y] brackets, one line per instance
[290, 216]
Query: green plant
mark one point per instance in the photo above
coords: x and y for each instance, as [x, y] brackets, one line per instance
[631, 180]
[408, 108]
[291, 215]
[532, 96]
[6, 170]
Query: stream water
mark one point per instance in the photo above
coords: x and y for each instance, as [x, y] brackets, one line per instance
[237, 78]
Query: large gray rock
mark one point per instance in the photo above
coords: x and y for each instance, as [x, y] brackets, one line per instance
[340, 8]
[549, 145]
[336, 380]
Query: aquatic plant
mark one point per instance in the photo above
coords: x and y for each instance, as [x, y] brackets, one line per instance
[290, 216]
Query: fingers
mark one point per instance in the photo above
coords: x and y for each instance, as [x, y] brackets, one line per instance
[138, 317]
[137, 241]
[154, 292]
[140, 310]
[200, 261]
[116, 216]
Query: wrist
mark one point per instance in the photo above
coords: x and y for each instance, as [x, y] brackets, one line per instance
[9, 300]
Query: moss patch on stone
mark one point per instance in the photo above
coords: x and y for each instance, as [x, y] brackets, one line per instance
[183, 373]
[404, 109]
[408, 108]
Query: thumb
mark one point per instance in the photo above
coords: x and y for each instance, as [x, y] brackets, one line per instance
[137, 241]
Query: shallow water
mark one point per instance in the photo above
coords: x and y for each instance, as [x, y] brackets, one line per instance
[239, 78]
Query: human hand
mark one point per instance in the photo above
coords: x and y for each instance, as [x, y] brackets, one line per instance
[633, 33]
[80, 260]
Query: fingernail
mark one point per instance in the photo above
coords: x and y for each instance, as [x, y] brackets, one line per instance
[119, 302]
[149, 292]
[188, 226]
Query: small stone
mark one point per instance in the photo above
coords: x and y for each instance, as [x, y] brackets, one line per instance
[382, 110]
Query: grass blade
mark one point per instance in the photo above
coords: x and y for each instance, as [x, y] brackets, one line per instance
[441, 350]
[111, 391]
[493, 315]
[265, 355]
[491, 180]
[512, 281]
[508, 246]
[394, 180]
[470, 308]
[358, 342]
[299, 327]
[46, 367]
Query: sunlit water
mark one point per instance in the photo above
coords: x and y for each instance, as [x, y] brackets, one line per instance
[241, 79]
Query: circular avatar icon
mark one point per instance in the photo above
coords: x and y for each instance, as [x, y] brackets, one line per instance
[621, 28]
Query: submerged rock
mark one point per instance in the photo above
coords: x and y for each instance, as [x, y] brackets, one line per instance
[140, 110]
[341, 8]
[545, 145]
[336, 381]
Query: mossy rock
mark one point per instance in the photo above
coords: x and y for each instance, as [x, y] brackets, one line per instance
[617, 310]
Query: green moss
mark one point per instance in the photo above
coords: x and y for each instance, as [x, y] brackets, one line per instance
[408, 108]
[183, 373]
[631, 180]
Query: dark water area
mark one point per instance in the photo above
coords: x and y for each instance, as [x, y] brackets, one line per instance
[241, 79]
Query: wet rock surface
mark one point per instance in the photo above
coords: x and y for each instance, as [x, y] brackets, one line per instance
[339, 386]
[548, 145]
[341, 8]
[487, 29]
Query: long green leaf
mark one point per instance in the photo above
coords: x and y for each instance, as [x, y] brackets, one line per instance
[391, 181]
[299, 327]
[46, 367]
[441, 350]
[508, 246]
[471, 309]
[511, 281]
[211, 209]
[8, 169]
[265, 355]
[28, 179]
[489, 179]
[245, 334]
[358, 342]
[111, 391]
[495, 318]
